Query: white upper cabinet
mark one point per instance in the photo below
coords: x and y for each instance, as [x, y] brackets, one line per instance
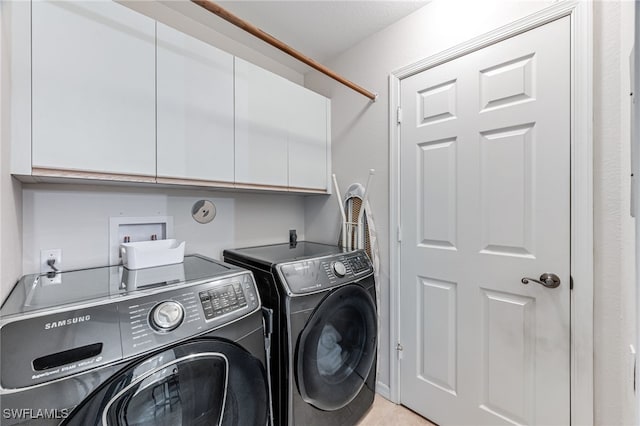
[195, 108]
[93, 65]
[308, 138]
[281, 131]
[102, 92]
[261, 126]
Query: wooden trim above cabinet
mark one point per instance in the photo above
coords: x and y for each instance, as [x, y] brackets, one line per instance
[259, 187]
[194, 182]
[76, 174]
[280, 189]
[308, 190]
[48, 175]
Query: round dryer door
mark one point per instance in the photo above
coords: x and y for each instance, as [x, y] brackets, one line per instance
[336, 349]
[204, 382]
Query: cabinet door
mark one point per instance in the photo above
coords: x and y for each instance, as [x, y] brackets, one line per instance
[261, 126]
[195, 108]
[93, 88]
[307, 139]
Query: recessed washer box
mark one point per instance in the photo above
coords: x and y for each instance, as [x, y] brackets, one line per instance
[137, 229]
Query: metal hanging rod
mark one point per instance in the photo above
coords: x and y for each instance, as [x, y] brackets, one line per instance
[268, 38]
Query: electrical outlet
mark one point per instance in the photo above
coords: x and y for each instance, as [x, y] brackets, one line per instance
[293, 238]
[45, 257]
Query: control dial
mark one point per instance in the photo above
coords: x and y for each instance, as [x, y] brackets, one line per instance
[339, 269]
[166, 316]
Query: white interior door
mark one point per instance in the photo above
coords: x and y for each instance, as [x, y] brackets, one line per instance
[485, 201]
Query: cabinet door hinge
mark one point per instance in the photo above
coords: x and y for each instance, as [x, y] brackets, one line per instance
[399, 115]
[570, 282]
[399, 234]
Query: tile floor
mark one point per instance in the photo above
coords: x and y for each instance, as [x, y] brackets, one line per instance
[385, 413]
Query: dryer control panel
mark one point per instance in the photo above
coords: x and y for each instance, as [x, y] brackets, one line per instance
[317, 274]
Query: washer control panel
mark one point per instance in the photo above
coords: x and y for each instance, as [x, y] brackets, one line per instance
[311, 275]
[160, 319]
[225, 299]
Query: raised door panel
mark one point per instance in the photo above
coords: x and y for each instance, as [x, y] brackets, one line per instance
[508, 334]
[195, 108]
[307, 138]
[93, 88]
[507, 186]
[437, 334]
[437, 192]
[261, 155]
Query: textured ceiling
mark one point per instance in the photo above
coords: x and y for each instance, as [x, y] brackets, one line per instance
[318, 29]
[321, 29]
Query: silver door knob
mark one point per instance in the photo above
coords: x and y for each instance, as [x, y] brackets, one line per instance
[546, 279]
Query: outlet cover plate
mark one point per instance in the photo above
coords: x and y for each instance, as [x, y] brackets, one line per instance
[45, 255]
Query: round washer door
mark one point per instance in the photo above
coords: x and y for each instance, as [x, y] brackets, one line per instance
[336, 349]
[203, 382]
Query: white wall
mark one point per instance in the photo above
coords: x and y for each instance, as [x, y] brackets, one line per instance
[10, 189]
[360, 132]
[614, 230]
[75, 218]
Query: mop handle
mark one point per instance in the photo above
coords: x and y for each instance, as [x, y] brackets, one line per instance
[361, 213]
[344, 217]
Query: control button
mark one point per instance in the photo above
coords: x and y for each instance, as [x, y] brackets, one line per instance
[339, 269]
[167, 316]
[208, 313]
[208, 309]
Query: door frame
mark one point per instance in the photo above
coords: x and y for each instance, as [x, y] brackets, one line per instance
[581, 141]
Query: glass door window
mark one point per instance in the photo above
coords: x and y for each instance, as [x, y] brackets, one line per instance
[202, 382]
[193, 387]
[337, 348]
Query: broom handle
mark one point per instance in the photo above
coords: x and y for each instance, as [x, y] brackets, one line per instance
[344, 217]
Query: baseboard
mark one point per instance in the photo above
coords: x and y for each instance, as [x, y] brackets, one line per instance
[383, 390]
